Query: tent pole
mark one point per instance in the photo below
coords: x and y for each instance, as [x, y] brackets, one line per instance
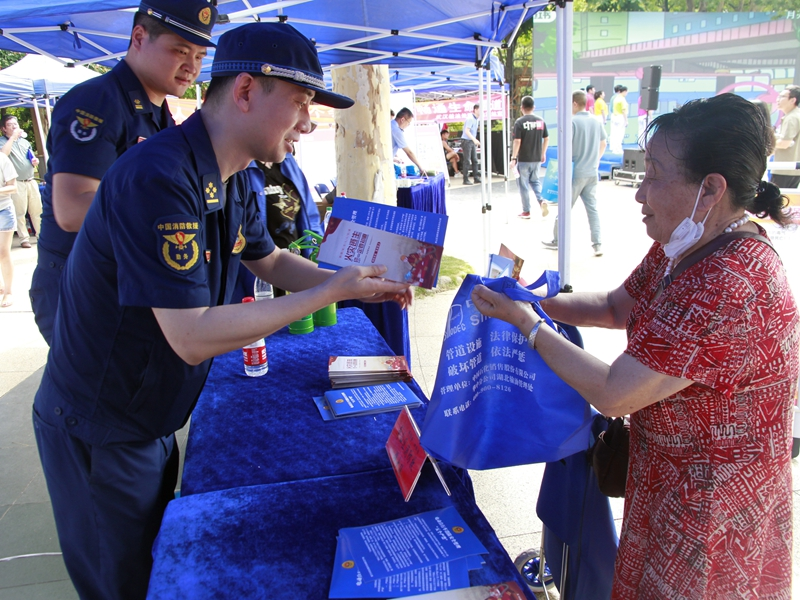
[507, 134]
[489, 171]
[39, 125]
[47, 110]
[198, 95]
[564, 76]
[506, 127]
[482, 131]
[486, 214]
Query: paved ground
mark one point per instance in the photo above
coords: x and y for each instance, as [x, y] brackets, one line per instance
[507, 496]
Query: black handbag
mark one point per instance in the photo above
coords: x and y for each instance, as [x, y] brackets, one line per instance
[610, 458]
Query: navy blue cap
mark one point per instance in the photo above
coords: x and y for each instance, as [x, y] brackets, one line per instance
[190, 19]
[274, 50]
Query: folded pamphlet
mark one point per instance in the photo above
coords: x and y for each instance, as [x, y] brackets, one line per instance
[371, 399]
[428, 552]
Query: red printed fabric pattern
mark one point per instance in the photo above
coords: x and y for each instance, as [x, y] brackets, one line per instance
[708, 504]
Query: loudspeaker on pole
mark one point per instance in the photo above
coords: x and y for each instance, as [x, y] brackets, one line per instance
[651, 77]
[649, 99]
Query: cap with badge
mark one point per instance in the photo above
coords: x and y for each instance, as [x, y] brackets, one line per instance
[190, 19]
[274, 50]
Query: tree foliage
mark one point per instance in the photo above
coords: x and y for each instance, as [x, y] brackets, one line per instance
[8, 58]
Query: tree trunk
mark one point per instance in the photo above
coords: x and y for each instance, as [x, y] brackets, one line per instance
[364, 164]
[41, 138]
[689, 5]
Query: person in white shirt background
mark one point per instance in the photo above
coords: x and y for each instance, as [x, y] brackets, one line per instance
[8, 224]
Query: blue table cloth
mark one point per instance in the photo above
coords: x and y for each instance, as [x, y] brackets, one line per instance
[259, 430]
[278, 541]
[390, 320]
[428, 195]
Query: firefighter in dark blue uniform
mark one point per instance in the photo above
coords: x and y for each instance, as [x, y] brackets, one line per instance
[143, 303]
[97, 121]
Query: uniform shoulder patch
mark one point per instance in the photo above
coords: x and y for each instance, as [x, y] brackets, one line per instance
[240, 243]
[85, 126]
[178, 247]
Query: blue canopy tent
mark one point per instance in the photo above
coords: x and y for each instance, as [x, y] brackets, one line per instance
[14, 91]
[347, 32]
[46, 77]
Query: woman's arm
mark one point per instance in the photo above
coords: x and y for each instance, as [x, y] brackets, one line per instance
[618, 389]
[609, 310]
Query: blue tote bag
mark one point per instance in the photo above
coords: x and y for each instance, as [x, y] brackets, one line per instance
[496, 403]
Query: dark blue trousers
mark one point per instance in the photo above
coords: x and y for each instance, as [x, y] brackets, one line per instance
[108, 502]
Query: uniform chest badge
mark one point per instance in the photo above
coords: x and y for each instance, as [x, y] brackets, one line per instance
[177, 242]
[241, 242]
[86, 126]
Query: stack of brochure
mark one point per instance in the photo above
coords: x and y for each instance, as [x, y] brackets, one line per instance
[429, 552]
[353, 371]
[367, 400]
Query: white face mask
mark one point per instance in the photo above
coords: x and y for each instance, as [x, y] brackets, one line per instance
[687, 233]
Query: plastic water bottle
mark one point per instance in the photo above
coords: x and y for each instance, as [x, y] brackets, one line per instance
[262, 290]
[255, 354]
[327, 218]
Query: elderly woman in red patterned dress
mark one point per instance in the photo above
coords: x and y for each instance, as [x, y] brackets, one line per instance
[709, 374]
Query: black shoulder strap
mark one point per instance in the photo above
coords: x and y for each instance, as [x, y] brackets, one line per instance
[708, 249]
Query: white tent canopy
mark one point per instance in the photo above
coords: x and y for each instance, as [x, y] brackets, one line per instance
[36, 78]
[48, 76]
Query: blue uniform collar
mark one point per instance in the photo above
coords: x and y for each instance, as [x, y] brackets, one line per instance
[138, 100]
[194, 130]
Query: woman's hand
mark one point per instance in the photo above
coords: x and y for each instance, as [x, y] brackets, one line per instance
[500, 306]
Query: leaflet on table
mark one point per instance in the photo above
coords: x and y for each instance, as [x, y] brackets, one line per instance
[366, 364]
[371, 399]
[351, 371]
[407, 260]
[348, 582]
[323, 408]
[410, 543]
[508, 590]
[418, 224]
